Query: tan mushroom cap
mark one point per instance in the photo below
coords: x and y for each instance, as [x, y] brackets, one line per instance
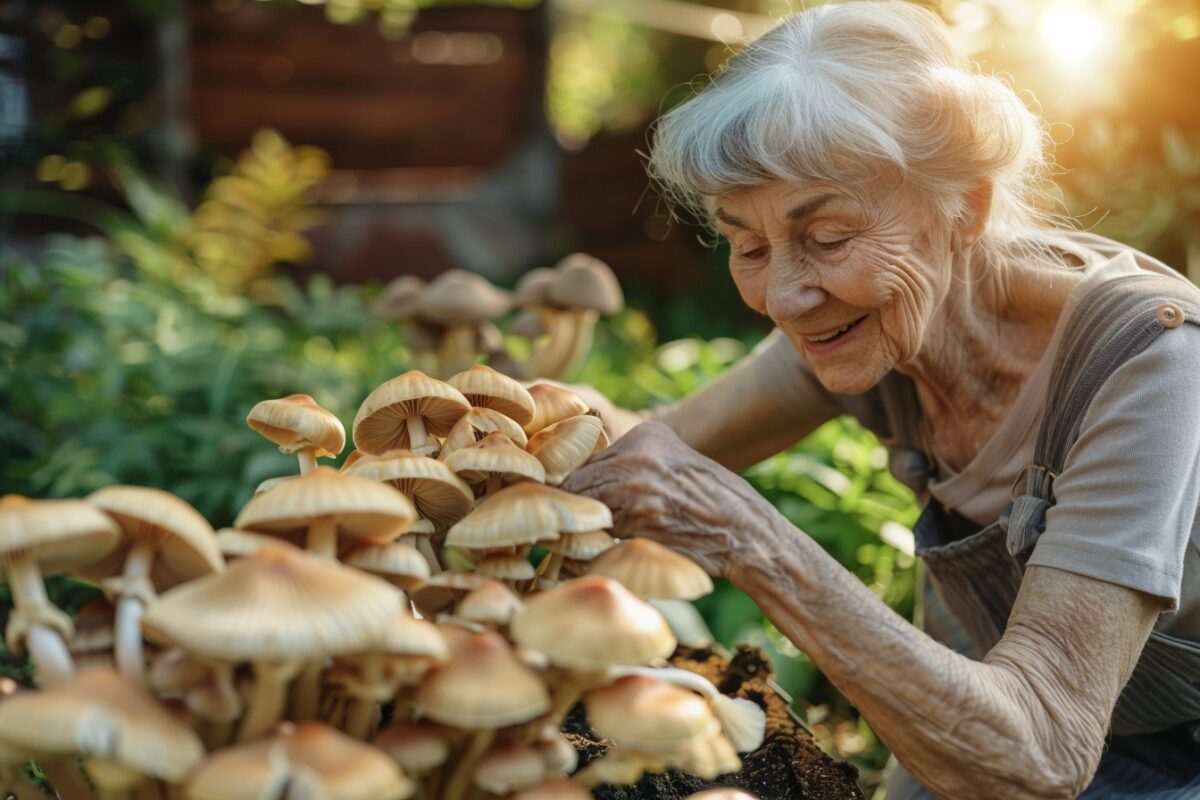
[496, 455]
[652, 572]
[417, 748]
[564, 446]
[505, 567]
[458, 297]
[533, 288]
[554, 789]
[270, 483]
[297, 422]
[398, 564]
[438, 494]
[508, 767]
[279, 604]
[484, 387]
[553, 404]
[380, 425]
[592, 623]
[483, 686]
[442, 590]
[525, 513]
[60, 534]
[477, 424]
[185, 544]
[708, 756]
[401, 299]
[493, 603]
[647, 715]
[406, 635]
[362, 509]
[234, 543]
[586, 282]
[100, 714]
[580, 546]
[305, 760]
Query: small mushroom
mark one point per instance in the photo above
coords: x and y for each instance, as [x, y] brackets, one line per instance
[494, 462]
[484, 387]
[553, 404]
[509, 767]
[415, 746]
[477, 424]
[646, 715]
[564, 446]
[652, 572]
[405, 411]
[299, 425]
[461, 302]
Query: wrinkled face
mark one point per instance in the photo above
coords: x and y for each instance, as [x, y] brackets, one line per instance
[851, 276]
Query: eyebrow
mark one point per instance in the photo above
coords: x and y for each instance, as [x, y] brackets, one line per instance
[795, 215]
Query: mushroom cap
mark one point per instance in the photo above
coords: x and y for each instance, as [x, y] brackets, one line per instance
[557, 752]
[362, 509]
[592, 623]
[234, 543]
[586, 282]
[380, 425]
[101, 714]
[553, 404]
[270, 483]
[483, 686]
[442, 590]
[533, 288]
[406, 635]
[564, 446]
[458, 297]
[478, 423]
[185, 545]
[484, 387]
[495, 454]
[398, 564]
[297, 422]
[279, 604]
[652, 572]
[305, 760]
[61, 534]
[508, 767]
[505, 567]
[580, 546]
[554, 789]
[708, 756]
[647, 715]
[438, 494]
[401, 298]
[525, 513]
[493, 603]
[415, 747]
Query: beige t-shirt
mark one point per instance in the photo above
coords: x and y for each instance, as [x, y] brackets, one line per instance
[1127, 505]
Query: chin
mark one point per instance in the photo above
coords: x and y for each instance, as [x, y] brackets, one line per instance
[851, 378]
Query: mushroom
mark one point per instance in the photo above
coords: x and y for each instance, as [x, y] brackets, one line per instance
[483, 687]
[652, 572]
[164, 542]
[586, 626]
[38, 536]
[399, 564]
[478, 423]
[405, 411]
[276, 609]
[325, 505]
[536, 319]
[484, 387]
[645, 715]
[554, 789]
[525, 513]
[234, 543]
[300, 762]
[492, 604]
[564, 446]
[416, 747]
[461, 302]
[509, 767]
[95, 635]
[493, 462]
[553, 404]
[122, 732]
[505, 567]
[299, 425]
[587, 288]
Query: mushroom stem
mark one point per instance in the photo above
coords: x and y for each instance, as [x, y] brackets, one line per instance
[46, 647]
[306, 692]
[266, 704]
[67, 780]
[128, 627]
[425, 547]
[567, 686]
[494, 482]
[417, 435]
[113, 781]
[464, 768]
[361, 712]
[322, 538]
[456, 350]
[308, 460]
[581, 322]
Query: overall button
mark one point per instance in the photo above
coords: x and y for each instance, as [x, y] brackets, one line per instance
[1170, 315]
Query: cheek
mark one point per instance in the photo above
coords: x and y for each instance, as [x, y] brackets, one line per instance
[751, 284]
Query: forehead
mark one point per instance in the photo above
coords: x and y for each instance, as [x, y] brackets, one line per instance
[779, 201]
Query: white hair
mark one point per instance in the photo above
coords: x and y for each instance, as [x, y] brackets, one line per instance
[856, 92]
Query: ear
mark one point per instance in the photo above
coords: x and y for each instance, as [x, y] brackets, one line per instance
[974, 222]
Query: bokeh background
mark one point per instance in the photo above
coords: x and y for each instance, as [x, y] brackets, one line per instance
[200, 200]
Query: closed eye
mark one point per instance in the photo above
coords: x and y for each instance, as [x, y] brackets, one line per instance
[832, 246]
[757, 254]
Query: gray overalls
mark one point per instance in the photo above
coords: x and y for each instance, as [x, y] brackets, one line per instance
[1153, 751]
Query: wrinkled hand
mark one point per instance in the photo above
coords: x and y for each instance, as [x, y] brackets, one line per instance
[659, 488]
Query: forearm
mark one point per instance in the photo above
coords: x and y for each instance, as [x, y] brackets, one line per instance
[964, 728]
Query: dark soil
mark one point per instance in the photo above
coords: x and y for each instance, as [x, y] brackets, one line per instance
[788, 765]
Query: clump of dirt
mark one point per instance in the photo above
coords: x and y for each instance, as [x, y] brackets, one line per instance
[788, 765]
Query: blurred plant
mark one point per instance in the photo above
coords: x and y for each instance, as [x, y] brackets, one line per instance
[394, 17]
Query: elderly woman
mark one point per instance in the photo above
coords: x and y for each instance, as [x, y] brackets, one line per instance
[881, 201]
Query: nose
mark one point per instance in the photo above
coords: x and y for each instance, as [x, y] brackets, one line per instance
[791, 292]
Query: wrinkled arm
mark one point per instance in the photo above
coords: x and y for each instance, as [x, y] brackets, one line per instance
[1027, 722]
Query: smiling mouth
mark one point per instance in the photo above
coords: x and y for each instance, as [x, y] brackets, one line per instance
[835, 334]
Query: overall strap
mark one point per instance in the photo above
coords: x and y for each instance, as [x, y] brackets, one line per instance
[1114, 322]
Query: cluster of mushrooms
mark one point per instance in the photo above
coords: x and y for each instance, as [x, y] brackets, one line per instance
[449, 323]
[367, 633]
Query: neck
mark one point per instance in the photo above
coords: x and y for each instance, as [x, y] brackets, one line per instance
[989, 333]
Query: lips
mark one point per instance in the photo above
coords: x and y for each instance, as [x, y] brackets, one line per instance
[833, 333]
